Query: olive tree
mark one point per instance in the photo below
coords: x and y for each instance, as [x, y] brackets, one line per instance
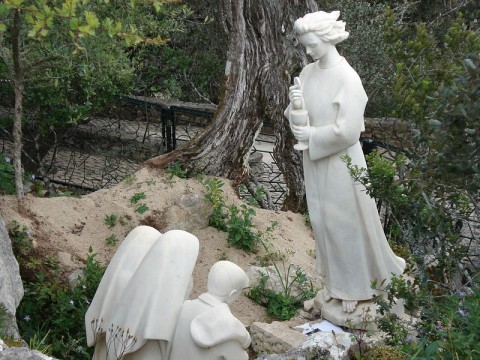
[262, 57]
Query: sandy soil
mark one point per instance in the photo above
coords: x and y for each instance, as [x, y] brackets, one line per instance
[67, 227]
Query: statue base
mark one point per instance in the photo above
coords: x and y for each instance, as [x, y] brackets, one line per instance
[363, 317]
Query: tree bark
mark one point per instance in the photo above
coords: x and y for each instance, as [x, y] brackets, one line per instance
[18, 84]
[261, 59]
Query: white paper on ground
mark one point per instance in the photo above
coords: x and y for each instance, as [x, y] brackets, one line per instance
[323, 325]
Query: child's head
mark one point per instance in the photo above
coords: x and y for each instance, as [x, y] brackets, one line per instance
[226, 280]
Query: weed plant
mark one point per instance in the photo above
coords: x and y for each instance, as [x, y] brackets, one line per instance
[175, 169]
[137, 197]
[256, 198]
[111, 240]
[21, 240]
[214, 196]
[448, 326]
[142, 208]
[294, 283]
[238, 222]
[130, 179]
[51, 316]
[240, 228]
[283, 305]
[111, 220]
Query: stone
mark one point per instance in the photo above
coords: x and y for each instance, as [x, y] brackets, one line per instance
[11, 287]
[255, 161]
[74, 277]
[22, 353]
[190, 214]
[351, 247]
[336, 344]
[297, 354]
[321, 345]
[277, 337]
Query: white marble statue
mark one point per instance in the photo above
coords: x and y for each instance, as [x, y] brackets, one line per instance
[121, 268]
[142, 310]
[351, 247]
[206, 328]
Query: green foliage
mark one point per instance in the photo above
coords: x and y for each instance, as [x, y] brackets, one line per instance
[214, 196]
[240, 228]
[3, 320]
[280, 306]
[142, 208]
[137, 197]
[448, 325]
[111, 220]
[430, 188]
[130, 179]
[175, 169]
[191, 68]
[40, 344]
[255, 198]
[81, 55]
[7, 185]
[382, 352]
[21, 240]
[295, 287]
[365, 49]
[111, 240]
[51, 311]
[283, 305]
[237, 221]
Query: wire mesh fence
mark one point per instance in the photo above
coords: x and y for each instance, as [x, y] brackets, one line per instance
[106, 148]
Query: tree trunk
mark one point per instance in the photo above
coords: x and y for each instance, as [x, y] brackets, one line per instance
[261, 60]
[18, 84]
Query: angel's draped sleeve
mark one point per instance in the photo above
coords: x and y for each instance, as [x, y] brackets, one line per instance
[349, 104]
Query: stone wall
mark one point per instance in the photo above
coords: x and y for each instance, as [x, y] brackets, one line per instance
[11, 288]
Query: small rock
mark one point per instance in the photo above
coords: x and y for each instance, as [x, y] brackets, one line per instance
[276, 337]
[337, 344]
[23, 353]
[73, 278]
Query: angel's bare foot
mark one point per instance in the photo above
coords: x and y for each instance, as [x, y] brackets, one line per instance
[326, 296]
[349, 306]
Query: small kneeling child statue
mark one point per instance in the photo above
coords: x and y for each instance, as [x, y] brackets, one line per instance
[206, 329]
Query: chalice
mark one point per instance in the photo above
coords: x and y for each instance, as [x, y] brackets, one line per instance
[299, 116]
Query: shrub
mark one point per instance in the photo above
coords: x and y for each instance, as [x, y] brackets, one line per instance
[240, 228]
[214, 196]
[51, 311]
[365, 49]
[430, 187]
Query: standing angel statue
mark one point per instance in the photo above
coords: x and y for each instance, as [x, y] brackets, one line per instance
[351, 247]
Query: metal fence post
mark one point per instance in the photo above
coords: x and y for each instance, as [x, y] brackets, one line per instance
[168, 129]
